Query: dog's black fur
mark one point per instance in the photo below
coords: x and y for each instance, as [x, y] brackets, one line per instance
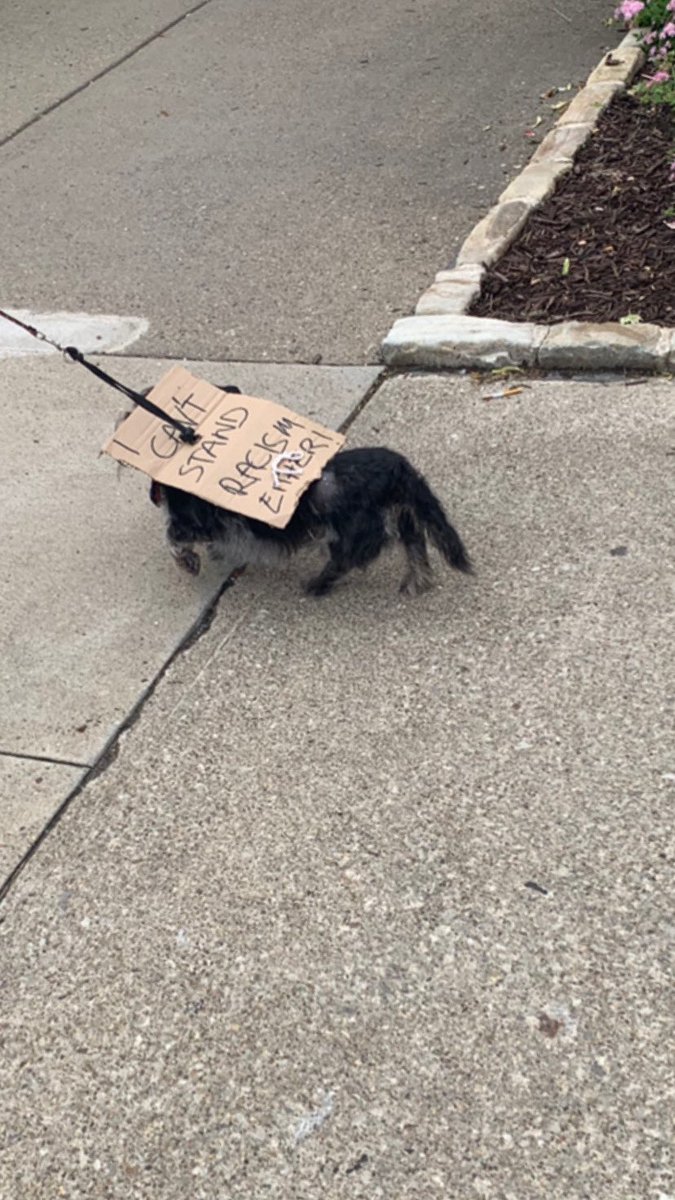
[364, 499]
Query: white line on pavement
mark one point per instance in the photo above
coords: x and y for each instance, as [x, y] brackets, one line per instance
[97, 333]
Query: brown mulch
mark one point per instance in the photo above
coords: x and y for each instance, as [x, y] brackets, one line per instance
[607, 217]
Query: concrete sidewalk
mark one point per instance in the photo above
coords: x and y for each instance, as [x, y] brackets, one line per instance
[376, 899]
[92, 606]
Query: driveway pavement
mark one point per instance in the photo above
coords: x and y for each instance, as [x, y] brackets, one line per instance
[267, 182]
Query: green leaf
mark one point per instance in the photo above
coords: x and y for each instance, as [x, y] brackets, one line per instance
[504, 372]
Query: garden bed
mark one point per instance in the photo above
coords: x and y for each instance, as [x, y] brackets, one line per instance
[602, 247]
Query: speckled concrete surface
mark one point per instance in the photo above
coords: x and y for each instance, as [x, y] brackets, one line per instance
[376, 900]
[47, 51]
[30, 792]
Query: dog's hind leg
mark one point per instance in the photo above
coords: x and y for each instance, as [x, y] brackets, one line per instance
[418, 577]
[357, 544]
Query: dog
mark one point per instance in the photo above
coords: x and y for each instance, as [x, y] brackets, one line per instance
[364, 500]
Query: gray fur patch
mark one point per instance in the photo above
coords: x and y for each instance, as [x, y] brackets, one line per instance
[241, 546]
[325, 491]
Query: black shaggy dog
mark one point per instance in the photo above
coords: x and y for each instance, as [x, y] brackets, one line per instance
[364, 499]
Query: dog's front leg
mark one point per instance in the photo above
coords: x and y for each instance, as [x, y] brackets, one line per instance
[325, 581]
[184, 554]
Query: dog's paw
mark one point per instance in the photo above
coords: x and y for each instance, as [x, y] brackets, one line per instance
[189, 560]
[415, 585]
[318, 587]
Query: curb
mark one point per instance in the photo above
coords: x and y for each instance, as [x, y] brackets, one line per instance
[441, 335]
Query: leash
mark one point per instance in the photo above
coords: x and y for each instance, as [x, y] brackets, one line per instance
[72, 354]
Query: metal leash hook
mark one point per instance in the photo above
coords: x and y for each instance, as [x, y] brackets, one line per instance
[72, 354]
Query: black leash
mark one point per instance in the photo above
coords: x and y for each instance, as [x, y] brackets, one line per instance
[187, 434]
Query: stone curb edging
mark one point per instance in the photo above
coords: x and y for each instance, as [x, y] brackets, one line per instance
[457, 341]
[440, 334]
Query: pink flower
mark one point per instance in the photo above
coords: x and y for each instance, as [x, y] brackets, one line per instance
[629, 9]
[657, 77]
[670, 6]
[668, 30]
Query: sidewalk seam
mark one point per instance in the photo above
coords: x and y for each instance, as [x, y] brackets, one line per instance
[44, 758]
[111, 749]
[100, 74]
[384, 374]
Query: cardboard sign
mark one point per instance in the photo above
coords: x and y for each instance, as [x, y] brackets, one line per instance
[253, 457]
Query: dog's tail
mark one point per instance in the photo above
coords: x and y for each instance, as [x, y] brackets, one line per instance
[430, 515]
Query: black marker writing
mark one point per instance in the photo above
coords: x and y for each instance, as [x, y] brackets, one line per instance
[236, 487]
[205, 454]
[259, 466]
[129, 449]
[167, 451]
[183, 406]
[234, 418]
[268, 501]
[284, 426]
[313, 448]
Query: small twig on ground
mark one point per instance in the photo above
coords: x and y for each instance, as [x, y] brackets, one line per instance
[561, 14]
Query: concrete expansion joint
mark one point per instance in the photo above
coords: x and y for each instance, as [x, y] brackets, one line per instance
[44, 758]
[111, 749]
[50, 108]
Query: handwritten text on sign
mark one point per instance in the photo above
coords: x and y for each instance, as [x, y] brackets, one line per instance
[253, 457]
